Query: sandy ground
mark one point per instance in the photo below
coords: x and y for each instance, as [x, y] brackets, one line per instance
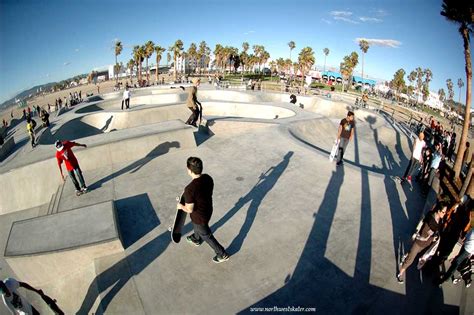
[49, 98]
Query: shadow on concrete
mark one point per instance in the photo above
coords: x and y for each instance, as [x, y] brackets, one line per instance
[73, 129]
[115, 277]
[255, 196]
[160, 149]
[16, 148]
[89, 109]
[136, 217]
[318, 283]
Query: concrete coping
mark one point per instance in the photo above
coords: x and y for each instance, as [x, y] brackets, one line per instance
[62, 231]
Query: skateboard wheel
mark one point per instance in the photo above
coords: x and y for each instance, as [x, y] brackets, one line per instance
[170, 228]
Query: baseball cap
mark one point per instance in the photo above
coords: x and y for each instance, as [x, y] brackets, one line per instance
[59, 145]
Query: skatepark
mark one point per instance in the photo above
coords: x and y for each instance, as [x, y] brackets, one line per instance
[301, 232]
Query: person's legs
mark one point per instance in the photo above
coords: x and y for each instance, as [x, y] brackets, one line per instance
[80, 177]
[203, 232]
[408, 168]
[463, 254]
[74, 180]
[431, 177]
[415, 249]
[122, 104]
[414, 167]
[342, 148]
[190, 117]
[127, 103]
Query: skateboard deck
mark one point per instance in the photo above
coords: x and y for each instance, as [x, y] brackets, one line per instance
[178, 223]
[334, 151]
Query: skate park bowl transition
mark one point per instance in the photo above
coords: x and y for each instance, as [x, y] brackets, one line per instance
[114, 128]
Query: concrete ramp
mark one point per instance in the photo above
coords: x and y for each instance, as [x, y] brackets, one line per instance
[245, 110]
[370, 148]
[103, 150]
[61, 243]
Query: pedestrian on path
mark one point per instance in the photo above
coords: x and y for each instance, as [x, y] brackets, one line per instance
[416, 158]
[429, 233]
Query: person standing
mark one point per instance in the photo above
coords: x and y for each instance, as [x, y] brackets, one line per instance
[467, 251]
[345, 133]
[64, 154]
[416, 158]
[126, 98]
[198, 203]
[193, 104]
[30, 127]
[427, 235]
[434, 165]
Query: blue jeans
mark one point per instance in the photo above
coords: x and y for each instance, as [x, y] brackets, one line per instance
[77, 171]
[203, 233]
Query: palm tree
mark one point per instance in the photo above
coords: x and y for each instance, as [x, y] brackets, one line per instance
[138, 56]
[461, 13]
[192, 53]
[158, 51]
[441, 95]
[460, 86]
[306, 61]
[364, 46]
[326, 53]
[292, 46]
[347, 66]
[201, 54]
[118, 50]
[176, 49]
[130, 66]
[149, 49]
[218, 54]
[450, 86]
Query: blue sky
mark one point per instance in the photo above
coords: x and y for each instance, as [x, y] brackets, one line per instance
[43, 41]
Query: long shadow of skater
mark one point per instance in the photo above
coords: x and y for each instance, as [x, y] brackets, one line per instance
[255, 196]
[161, 149]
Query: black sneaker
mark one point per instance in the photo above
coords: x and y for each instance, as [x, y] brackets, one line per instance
[400, 279]
[84, 190]
[191, 240]
[218, 258]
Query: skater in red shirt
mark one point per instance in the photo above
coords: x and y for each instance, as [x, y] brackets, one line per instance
[64, 153]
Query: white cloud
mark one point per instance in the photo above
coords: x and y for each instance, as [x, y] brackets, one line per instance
[381, 12]
[341, 13]
[340, 18]
[370, 19]
[392, 43]
[249, 32]
[67, 63]
[76, 50]
[326, 21]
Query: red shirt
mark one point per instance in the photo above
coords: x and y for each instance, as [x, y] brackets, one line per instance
[67, 156]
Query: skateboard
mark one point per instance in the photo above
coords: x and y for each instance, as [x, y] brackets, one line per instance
[334, 151]
[178, 223]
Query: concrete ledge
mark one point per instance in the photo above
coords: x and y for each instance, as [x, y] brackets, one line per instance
[53, 246]
[6, 148]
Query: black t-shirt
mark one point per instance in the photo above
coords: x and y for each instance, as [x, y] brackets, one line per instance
[199, 192]
[346, 128]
